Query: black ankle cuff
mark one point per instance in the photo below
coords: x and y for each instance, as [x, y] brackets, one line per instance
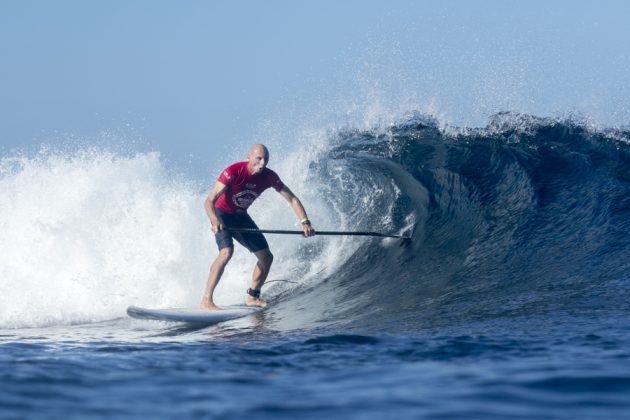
[253, 293]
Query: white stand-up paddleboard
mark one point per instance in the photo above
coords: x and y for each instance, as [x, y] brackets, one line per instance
[192, 315]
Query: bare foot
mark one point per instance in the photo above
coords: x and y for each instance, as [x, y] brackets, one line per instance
[252, 301]
[209, 306]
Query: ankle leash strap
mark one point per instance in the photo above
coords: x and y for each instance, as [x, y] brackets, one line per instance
[253, 293]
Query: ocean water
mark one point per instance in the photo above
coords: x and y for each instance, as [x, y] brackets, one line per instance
[512, 300]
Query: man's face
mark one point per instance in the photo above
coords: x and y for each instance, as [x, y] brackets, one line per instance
[258, 159]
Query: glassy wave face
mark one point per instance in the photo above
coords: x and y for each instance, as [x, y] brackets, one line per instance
[524, 218]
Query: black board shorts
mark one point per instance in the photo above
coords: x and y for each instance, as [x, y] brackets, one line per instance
[254, 242]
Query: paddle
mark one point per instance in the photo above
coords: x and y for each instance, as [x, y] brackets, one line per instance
[318, 233]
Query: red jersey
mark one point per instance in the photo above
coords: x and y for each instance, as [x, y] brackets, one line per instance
[243, 188]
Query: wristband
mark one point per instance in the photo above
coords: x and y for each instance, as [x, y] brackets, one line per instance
[305, 221]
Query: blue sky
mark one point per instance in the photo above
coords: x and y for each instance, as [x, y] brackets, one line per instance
[200, 80]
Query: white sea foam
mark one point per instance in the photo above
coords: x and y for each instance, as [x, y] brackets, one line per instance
[86, 234]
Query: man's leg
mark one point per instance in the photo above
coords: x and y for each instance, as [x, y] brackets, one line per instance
[261, 271]
[216, 271]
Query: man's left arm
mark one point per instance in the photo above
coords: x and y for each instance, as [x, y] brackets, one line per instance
[298, 208]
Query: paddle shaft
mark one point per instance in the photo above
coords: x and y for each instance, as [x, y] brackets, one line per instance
[318, 232]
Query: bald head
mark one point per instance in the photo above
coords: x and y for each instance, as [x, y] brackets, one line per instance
[257, 158]
[258, 149]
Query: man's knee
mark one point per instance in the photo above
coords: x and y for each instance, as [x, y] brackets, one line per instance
[265, 257]
[225, 254]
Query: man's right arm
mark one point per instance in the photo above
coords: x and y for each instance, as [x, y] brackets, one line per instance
[218, 189]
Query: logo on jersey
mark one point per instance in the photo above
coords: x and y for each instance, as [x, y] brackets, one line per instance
[244, 199]
[227, 175]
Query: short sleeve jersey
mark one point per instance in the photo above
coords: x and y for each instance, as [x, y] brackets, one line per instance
[243, 188]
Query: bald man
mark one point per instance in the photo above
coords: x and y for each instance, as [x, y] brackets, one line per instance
[236, 189]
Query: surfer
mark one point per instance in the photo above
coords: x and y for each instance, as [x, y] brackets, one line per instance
[236, 189]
